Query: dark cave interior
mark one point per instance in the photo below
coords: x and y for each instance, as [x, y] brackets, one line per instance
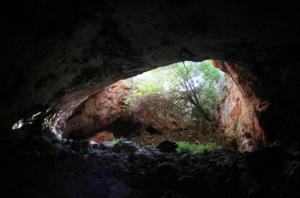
[60, 58]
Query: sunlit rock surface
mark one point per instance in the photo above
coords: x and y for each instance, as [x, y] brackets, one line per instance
[97, 111]
[105, 108]
[240, 108]
[236, 116]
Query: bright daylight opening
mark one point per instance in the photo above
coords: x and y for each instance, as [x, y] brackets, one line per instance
[193, 106]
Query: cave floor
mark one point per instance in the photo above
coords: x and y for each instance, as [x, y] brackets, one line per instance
[191, 136]
[128, 170]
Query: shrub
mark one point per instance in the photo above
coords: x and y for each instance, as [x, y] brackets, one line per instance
[113, 142]
[194, 148]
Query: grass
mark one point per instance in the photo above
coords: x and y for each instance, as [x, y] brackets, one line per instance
[194, 148]
[113, 142]
[182, 146]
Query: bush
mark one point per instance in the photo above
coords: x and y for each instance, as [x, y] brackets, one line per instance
[113, 142]
[194, 148]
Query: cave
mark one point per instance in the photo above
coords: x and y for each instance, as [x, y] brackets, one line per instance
[59, 58]
[187, 101]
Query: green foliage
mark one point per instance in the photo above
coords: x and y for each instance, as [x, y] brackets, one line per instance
[186, 84]
[200, 78]
[145, 87]
[113, 142]
[194, 148]
[125, 102]
[210, 73]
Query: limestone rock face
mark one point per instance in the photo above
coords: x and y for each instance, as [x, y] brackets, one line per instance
[236, 117]
[239, 108]
[101, 136]
[104, 109]
[156, 111]
[97, 111]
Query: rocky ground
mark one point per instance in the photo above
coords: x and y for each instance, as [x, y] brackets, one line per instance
[61, 169]
[191, 136]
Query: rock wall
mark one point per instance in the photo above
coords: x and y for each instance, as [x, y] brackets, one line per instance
[105, 107]
[236, 118]
[98, 110]
[158, 111]
[239, 108]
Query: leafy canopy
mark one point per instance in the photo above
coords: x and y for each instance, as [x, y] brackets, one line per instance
[187, 83]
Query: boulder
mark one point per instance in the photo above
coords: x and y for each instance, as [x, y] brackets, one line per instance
[125, 147]
[167, 146]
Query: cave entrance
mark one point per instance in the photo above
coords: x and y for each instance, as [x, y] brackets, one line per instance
[177, 102]
[191, 103]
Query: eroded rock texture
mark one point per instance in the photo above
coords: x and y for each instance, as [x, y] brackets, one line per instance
[240, 108]
[106, 109]
[98, 110]
[128, 170]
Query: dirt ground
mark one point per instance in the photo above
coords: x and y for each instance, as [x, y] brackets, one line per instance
[191, 136]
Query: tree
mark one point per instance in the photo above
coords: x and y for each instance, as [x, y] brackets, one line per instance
[190, 86]
[198, 80]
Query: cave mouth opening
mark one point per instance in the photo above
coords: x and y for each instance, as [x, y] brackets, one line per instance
[176, 103]
[185, 102]
[193, 104]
